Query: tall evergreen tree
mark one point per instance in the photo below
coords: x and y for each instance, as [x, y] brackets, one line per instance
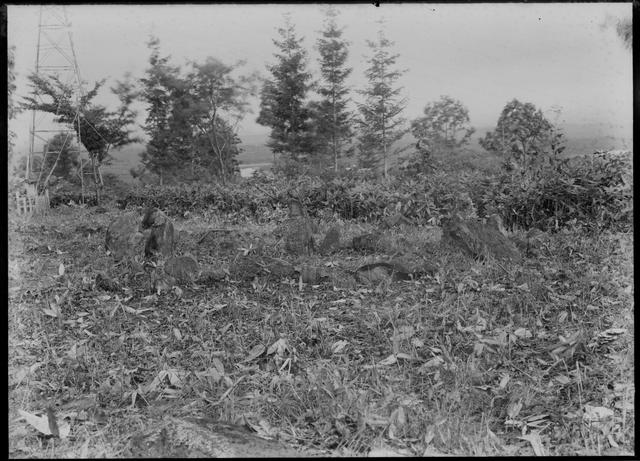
[381, 124]
[332, 119]
[282, 105]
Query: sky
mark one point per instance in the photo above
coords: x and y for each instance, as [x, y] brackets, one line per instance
[554, 55]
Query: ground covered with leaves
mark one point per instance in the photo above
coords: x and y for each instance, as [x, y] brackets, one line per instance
[478, 358]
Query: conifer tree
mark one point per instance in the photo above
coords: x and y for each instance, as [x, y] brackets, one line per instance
[381, 124]
[282, 105]
[332, 119]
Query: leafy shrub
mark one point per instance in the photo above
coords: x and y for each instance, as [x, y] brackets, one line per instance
[594, 191]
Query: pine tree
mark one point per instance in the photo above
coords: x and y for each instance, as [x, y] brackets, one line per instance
[381, 124]
[332, 119]
[282, 104]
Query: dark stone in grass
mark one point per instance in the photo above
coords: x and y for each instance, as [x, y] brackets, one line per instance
[123, 238]
[202, 438]
[278, 267]
[245, 267]
[384, 270]
[182, 268]
[331, 241]
[366, 243]
[479, 240]
[212, 274]
[414, 265]
[375, 273]
[161, 238]
[297, 231]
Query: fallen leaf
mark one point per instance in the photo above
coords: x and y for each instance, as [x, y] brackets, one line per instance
[61, 269]
[338, 346]
[40, 423]
[280, 346]
[536, 443]
[255, 352]
[398, 417]
[388, 361]
[434, 362]
[523, 333]
[596, 414]
[514, 409]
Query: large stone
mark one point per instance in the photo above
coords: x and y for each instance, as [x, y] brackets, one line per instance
[161, 238]
[331, 241]
[413, 264]
[297, 231]
[212, 274]
[123, 238]
[278, 268]
[479, 240]
[375, 273]
[245, 267]
[367, 243]
[203, 438]
[182, 268]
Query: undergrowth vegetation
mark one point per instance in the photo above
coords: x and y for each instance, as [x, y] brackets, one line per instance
[482, 358]
[594, 192]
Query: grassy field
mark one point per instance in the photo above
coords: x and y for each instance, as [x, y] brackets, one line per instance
[476, 359]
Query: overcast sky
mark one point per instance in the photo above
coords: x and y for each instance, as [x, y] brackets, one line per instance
[553, 55]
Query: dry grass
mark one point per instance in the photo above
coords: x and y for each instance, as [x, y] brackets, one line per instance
[480, 359]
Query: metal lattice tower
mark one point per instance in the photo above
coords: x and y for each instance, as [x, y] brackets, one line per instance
[55, 56]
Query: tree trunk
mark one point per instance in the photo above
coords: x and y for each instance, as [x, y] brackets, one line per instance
[82, 180]
[384, 151]
[335, 136]
[96, 177]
